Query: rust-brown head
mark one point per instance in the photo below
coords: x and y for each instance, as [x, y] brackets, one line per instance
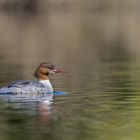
[44, 69]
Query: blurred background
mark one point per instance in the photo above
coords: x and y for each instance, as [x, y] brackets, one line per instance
[98, 42]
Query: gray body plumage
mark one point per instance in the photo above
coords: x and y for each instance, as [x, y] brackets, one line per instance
[28, 88]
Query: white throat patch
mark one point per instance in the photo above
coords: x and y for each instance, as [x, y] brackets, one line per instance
[47, 84]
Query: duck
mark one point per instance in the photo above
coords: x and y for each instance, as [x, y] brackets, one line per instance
[41, 86]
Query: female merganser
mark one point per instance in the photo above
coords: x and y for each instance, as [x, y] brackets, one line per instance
[40, 87]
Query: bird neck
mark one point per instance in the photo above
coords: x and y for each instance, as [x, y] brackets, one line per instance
[42, 77]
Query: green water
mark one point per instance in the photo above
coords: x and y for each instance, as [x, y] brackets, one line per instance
[102, 102]
[100, 51]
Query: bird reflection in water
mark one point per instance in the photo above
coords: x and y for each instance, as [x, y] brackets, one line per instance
[44, 111]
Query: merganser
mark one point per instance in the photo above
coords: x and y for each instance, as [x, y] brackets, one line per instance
[40, 87]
